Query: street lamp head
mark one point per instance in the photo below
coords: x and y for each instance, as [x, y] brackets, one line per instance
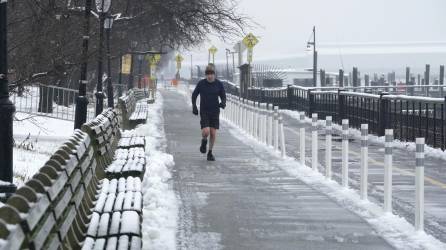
[108, 22]
[103, 5]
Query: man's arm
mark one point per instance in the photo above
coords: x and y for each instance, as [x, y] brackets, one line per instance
[194, 99]
[222, 96]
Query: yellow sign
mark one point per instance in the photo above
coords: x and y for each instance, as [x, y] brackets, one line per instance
[250, 41]
[213, 50]
[179, 58]
[126, 64]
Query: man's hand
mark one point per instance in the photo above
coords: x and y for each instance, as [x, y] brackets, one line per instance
[222, 105]
[195, 110]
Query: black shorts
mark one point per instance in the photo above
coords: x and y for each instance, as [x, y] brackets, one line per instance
[210, 120]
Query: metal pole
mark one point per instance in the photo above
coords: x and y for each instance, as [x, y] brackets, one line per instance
[109, 79]
[419, 185]
[388, 165]
[120, 77]
[7, 110]
[140, 71]
[314, 58]
[99, 94]
[364, 160]
[80, 116]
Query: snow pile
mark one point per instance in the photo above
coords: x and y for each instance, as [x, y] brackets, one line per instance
[396, 230]
[160, 211]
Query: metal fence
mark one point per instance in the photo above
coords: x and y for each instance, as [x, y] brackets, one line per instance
[50, 101]
[409, 116]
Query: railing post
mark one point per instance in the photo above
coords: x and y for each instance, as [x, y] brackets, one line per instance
[383, 110]
[328, 146]
[419, 185]
[388, 165]
[302, 138]
[289, 96]
[341, 106]
[256, 120]
[310, 102]
[314, 142]
[364, 160]
[345, 125]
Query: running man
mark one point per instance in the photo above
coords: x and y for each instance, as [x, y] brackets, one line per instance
[209, 90]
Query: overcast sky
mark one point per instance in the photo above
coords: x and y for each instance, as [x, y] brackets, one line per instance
[285, 26]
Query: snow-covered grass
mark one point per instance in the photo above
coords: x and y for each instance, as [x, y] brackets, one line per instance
[36, 139]
[393, 228]
[160, 212]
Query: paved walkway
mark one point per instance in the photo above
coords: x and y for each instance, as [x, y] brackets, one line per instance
[245, 201]
[403, 175]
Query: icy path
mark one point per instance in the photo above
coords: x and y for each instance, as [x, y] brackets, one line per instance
[245, 201]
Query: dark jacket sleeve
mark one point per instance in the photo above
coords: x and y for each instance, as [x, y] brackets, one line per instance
[195, 94]
[222, 95]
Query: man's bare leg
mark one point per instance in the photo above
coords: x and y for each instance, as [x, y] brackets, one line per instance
[213, 133]
[204, 140]
[213, 137]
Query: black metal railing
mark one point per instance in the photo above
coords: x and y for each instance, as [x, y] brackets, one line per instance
[409, 116]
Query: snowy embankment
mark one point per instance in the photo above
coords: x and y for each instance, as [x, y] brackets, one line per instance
[393, 228]
[160, 210]
[36, 139]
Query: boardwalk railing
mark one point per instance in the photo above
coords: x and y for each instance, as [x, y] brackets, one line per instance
[409, 116]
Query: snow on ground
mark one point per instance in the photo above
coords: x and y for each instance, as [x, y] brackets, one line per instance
[160, 213]
[36, 139]
[396, 230]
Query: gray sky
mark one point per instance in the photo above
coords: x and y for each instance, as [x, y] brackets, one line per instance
[342, 25]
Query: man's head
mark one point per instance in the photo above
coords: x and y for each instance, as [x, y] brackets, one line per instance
[210, 72]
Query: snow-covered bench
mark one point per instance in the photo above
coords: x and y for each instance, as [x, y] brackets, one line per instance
[53, 208]
[75, 201]
[133, 109]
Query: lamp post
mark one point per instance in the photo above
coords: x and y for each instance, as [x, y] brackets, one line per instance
[140, 60]
[132, 48]
[108, 26]
[227, 64]
[314, 56]
[7, 110]
[80, 116]
[102, 6]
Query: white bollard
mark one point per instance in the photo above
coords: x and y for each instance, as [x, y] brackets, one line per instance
[328, 146]
[270, 124]
[265, 123]
[282, 137]
[302, 138]
[419, 185]
[256, 120]
[248, 117]
[345, 153]
[364, 160]
[260, 122]
[276, 128]
[388, 165]
[314, 142]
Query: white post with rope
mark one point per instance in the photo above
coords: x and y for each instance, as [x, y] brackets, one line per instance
[328, 147]
[314, 142]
